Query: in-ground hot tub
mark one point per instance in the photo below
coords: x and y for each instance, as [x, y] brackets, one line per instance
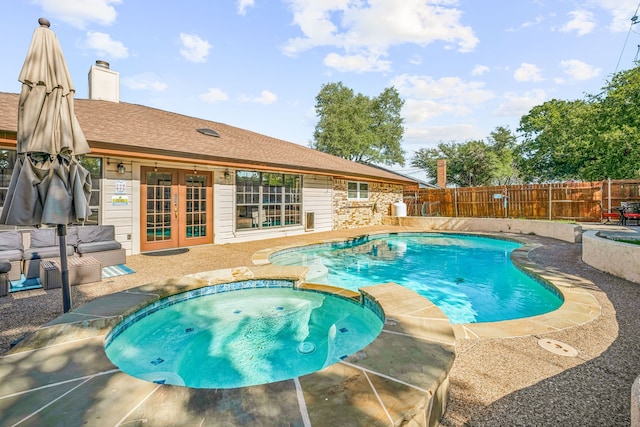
[241, 334]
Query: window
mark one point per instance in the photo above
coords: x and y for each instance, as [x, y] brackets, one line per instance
[267, 200]
[358, 190]
[92, 164]
[7, 160]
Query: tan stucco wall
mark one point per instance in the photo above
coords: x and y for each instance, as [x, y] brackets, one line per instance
[617, 258]
[360, 213]
[557, 230]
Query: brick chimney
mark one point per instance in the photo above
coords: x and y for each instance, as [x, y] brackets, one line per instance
[104, 83]
[442, 173]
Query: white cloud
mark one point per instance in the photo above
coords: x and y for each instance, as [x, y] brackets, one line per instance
[528, 73]
[145, 81]
[194, 48]
[214, 95]
[578, 70]
[418, 111]
[537, 21]
[243, 5]
[447, 88]
[369, 29]
[266, 97]
[430, 136]
[79, 13]
[479, 70]
[415, 60]
[426, 98]
[356, 63]
[582, 21]
[517, 105]
[620, 11]
[105, 47]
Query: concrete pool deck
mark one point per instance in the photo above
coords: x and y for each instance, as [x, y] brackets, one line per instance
[494, 381]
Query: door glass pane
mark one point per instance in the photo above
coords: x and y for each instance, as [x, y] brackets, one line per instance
[158, 206]
[196, 205]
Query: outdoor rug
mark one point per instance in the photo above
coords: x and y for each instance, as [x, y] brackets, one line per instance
[25, 284]
[116, 270]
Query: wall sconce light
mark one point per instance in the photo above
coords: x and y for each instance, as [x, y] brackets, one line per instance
[121, 168]
[226, 174]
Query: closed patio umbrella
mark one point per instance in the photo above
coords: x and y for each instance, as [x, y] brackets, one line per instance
[48, 186]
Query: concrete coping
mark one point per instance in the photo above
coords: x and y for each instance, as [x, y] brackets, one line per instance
[401, 377]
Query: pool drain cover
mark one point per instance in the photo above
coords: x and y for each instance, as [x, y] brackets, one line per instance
[306, 347]
[557, 347]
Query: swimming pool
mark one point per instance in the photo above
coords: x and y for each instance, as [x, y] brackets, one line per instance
[471, 278]
[241, 334]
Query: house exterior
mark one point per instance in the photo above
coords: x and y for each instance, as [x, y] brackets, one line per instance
[166, 180]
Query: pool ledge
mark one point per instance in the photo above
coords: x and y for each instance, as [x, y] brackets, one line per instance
[60, 375]
[579, 306]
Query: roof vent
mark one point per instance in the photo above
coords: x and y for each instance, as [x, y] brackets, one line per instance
[208, 132]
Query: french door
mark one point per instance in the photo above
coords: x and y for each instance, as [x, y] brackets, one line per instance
[177, 208]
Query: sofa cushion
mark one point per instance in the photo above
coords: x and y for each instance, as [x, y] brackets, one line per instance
[5, 266]
[43, 238]
[11, 254]
[48, 252]
[88, 248]
[72, 236]
[10, 240]
[96, 233]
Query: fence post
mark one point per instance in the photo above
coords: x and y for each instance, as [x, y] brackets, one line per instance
[455, 201]
[609, 195]
[550, 200]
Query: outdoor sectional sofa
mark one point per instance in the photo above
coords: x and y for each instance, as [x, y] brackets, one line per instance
[25, 249]
[11, 247]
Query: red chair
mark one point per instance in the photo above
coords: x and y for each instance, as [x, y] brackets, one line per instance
[609, 216]
[631, 216]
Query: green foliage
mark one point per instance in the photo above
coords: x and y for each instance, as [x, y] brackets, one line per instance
[503, 142]
[93, 165]
[473, 163]
[359, 128]
[590, 139]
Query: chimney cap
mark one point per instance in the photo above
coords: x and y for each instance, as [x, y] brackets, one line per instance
[101, 63]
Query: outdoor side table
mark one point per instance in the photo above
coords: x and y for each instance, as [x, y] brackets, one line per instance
[86, 269]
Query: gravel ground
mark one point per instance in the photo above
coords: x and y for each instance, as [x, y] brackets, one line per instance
[494, 382]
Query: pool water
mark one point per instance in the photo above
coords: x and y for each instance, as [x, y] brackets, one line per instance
[471, 278]
[242, 337]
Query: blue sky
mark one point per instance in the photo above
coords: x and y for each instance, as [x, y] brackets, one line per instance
[462, 67]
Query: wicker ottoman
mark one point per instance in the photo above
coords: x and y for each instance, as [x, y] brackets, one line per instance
[85, 269]
[5, 267]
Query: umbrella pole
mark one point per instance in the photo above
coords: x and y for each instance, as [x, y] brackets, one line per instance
[64, 270]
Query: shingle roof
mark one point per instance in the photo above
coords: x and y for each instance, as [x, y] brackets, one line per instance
[140, 129]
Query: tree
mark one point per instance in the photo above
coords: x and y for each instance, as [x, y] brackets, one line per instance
[359, 128]
[474, 162]
[503, 142]
[468, 164]
[554, 142]
[589, 139]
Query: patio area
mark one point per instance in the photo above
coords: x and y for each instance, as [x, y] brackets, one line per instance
[501, 375]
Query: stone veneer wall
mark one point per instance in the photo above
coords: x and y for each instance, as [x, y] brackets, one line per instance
[360, 213]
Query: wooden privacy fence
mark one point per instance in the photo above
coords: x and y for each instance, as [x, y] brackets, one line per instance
[572, 201]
